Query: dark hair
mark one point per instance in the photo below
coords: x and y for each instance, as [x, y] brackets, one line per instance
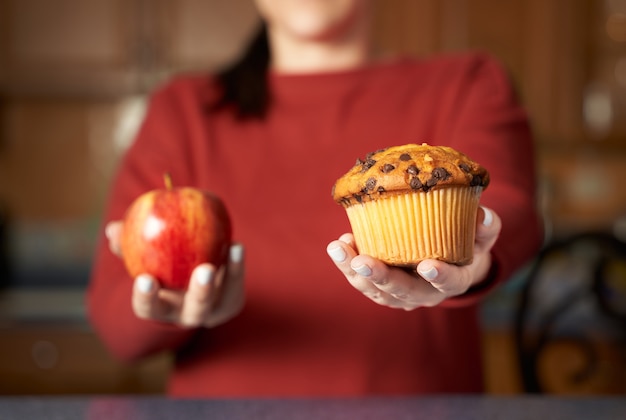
[243, 84]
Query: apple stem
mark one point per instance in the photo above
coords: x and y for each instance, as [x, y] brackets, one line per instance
[167, 179]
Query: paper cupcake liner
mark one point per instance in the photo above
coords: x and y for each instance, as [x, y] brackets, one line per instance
[405, 229]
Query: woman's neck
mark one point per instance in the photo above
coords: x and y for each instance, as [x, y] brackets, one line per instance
[289, 57]
[293, 54]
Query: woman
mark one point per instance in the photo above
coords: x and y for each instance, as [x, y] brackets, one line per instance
[270, 136]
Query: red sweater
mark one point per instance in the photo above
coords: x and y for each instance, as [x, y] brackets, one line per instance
[304, 329]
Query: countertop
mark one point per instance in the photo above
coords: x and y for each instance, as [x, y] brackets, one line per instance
[397, 408]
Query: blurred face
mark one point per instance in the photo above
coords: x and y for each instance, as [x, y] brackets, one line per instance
[314, 20]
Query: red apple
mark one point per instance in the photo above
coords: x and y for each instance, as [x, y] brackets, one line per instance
[168, 232]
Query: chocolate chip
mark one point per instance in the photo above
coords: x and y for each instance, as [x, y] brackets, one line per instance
[415, 183]
[465, 167]
[413, 170]
[441, 174]
[358, 198]
[366, 164]
[387, 167]
[370, 184]
[381, 189]
[405, 157]
[476, 180]
[431, 182]
[370, 154]
[369, 162]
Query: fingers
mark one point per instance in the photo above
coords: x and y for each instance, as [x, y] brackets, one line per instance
[431, 283]
[343, 253]
[371, 278]
[232, 293]
[358, 273]
[488, 226]
[146, 300]
[215, 296]
[449, 280]
[144, 294]
[112, 231]
[348, 238]
[200, 296]
[210, 299]
[187, 308]
[235, 260]
[390, 286]
[393, 287]
[433, 280]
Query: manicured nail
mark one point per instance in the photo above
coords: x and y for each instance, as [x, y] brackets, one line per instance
[363, 270]
[337, 254]
[236, 253]
[144, 283]
[108, 230]
[203, 275]
[429, 274]
[488, 220]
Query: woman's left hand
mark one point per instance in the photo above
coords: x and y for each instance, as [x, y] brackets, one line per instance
[433, 281]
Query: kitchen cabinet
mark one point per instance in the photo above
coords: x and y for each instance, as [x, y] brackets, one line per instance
[567, 58]
[48, 347]
[40, 359]
[114, 47]
[555, 50]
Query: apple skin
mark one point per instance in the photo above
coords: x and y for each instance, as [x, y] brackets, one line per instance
[168, 232]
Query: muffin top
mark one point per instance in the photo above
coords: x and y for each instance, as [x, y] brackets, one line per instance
[401, 169]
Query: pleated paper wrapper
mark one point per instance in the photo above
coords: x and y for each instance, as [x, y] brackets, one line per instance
[404, 229]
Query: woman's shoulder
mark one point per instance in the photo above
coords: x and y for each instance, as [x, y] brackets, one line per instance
[445, 64]
[453, 72]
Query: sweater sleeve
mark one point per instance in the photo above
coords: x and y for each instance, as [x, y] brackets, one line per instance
[492, 128]
[158, 148]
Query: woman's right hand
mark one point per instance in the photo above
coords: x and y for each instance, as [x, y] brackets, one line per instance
[215, 294]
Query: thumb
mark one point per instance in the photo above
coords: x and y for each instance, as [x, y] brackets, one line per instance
[488, 226]
[113, 232]
[235, 260]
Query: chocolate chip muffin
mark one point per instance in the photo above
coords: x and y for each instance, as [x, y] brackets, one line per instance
[413, 202]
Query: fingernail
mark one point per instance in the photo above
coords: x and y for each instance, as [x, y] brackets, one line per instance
[144, 283]
[429, 274]
[236, 253]
[363, 270]
[337, 254]
[488, 220]
[203, 275]
[108, 231]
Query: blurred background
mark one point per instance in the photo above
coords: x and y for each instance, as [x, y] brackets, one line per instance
[74, 75]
